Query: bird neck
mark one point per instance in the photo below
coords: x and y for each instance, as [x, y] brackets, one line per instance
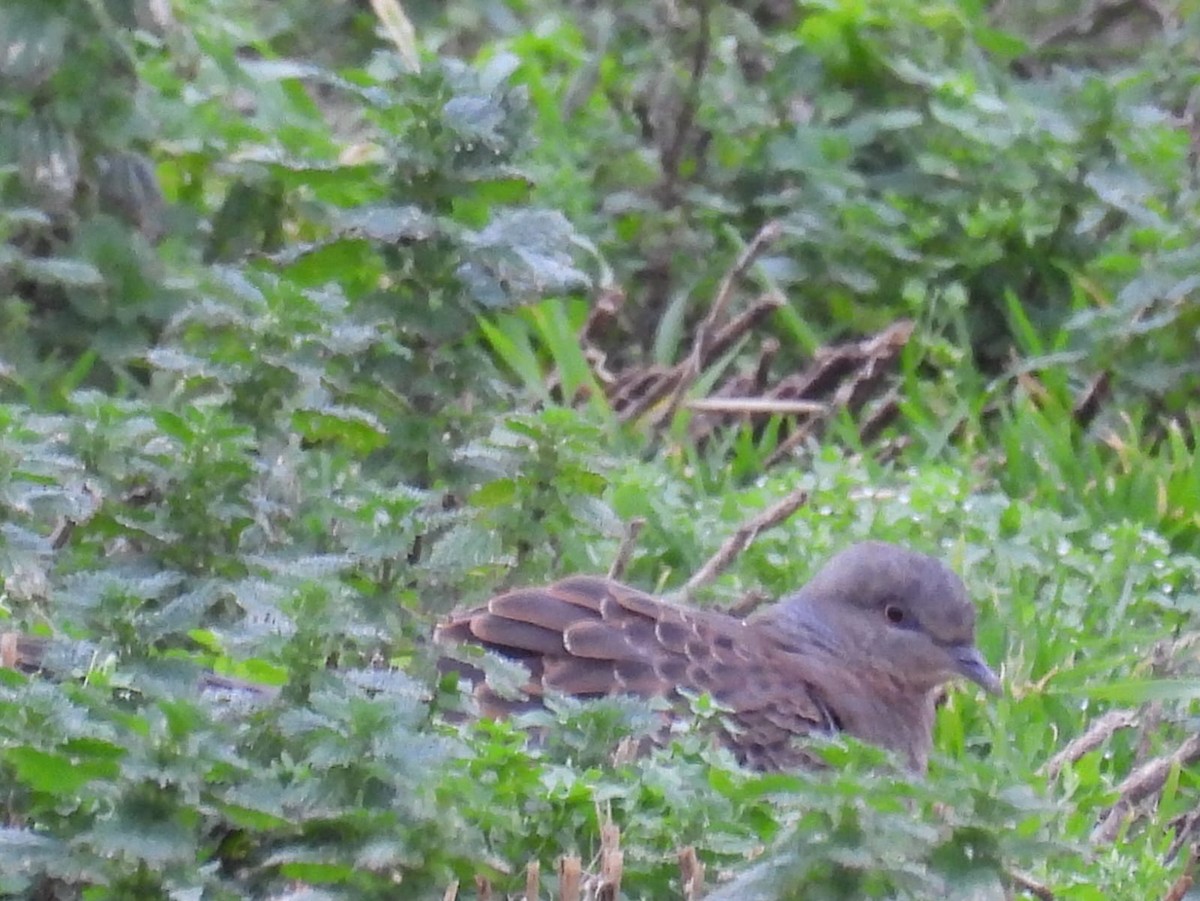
[805, 624]
[901, 719]
[871, 702]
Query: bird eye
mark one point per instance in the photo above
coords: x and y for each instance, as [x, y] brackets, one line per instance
[894, 614]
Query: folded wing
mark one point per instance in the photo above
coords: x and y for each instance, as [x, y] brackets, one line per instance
[592, 637]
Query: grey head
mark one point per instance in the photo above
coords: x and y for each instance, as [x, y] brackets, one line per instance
[899, 614]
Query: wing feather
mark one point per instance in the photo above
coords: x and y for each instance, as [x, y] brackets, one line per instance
[588, 636]
[579, 676]
[600, 641]
[504, 634]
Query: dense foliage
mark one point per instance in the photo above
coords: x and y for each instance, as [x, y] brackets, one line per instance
[290, 304]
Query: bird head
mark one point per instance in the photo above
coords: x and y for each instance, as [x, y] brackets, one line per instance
[895, 611]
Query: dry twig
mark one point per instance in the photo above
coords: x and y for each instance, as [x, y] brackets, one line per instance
[1186, 827]
[881, 415]
[1092, 20]
[766, 236]
[1097, 733]
[691, 874]
[748, 603]
[533, 880]
[570, 875]
[1181, 886]
[759, 405]
[621, 562]
[672, 155]
[62, 533]
[1143, 782]
[612, 863]
[1027, 883]
[855, 369]
[1092, 399]
[740, 540]
[646, 388]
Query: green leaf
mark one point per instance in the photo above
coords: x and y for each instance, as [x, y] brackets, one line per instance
[1134, 691]
[57, 774]
[496, 493]
[357, 429]
[60, 271]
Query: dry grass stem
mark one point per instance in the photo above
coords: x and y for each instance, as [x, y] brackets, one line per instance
[741, 538]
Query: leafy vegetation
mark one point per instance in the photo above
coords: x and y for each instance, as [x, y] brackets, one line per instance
[290, 364]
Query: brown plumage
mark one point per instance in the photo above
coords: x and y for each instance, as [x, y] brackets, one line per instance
[864, 647]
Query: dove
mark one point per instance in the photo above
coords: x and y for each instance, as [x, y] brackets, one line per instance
[864, 648]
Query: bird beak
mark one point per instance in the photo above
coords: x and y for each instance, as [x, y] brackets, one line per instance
[970, 664]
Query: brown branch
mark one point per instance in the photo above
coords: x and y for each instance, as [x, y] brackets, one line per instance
[11, 656]
[748, 603]
[1181, 886]
[1097, 733]
[1092, 399]
[625, 551]
[756, 405]
[603, 313]
[637, 390]
[721, 342]
[1150, 722]
[798, 436]
[673, 155]
[570, 875]
[1185, 831]
[853, 372]
[1027, 883]
[742, 323]
[881, 415]
[767, 351]
[766, 236]
[612, 863]
[691, 874]
[533, 881]
[740, 540]
[1143, 782]
[62, 533]
[1088, 23]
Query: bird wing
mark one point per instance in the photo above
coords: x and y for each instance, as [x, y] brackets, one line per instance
[590, 637]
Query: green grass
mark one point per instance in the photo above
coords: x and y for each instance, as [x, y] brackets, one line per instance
[342, 392]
